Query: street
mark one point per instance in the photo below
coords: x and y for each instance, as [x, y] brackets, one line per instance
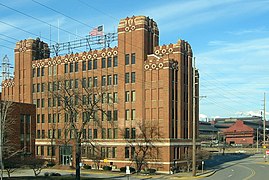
[245, 168]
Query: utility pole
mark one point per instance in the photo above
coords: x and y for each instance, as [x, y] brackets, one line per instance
[257, 139]
[193, 123]
[264, 121]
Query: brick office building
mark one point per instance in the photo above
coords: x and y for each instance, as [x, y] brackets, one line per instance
[152, 83]
[20, 126]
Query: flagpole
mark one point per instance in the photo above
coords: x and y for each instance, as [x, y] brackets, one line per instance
[104, 36]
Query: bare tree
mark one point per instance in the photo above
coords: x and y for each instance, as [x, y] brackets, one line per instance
[36, 164]
[82, 106]
[143, 141]
[5, 125]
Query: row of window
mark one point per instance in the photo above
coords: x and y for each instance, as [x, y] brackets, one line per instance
[128, 79]
[50, 150]
[104, 152]
[127, 59]
[74, 83]
[106, 133]
[87, 65]
[53, 118]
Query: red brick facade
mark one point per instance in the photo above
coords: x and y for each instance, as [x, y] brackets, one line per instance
[161, 82]
[239, 133]
[20, 128]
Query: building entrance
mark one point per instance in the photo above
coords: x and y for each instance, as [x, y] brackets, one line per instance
[66, 155]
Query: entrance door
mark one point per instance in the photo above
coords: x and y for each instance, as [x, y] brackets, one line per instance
[66, 160]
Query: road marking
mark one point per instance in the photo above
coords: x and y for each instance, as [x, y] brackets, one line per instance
[230, 175]
[252, 172]
[263, 166]
[232, 170]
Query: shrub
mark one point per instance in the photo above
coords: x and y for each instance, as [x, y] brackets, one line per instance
[107, 168]
[86, 166]
[123, 169]
[50, 164]
[152, 171]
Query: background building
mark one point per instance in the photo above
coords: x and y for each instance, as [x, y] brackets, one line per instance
[152, 83]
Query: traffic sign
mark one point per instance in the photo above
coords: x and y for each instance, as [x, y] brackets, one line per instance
[267, 152]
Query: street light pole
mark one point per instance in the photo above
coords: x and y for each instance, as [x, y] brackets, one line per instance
[193, 123]
[264, 126]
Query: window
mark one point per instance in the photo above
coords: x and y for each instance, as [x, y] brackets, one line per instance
[66, 117]
[42, 71]
[115, 79]
[133, 96]
[127, 77]
[133, 114]
[38, 135]
[109, 62]
[34, 88]
[49, 102]
[95, 82]
[133, 133]
[89, 81]
[43, 134]
[43, 118]
[133, 77]
[84, 82]
[49, 118]
[76, 83]
[103, 62]
[54, 86]
[109, 80]
[115, 97]
[38, 103]
[103, 133]
[71, 67]
[114, 152]
[38, 118]
[95, 133]
[109, 98]
[127, 152]
[33, 72]
[109, 133]
[115, 133]
[115, 61]
[126, 59]
[84, 134]
[115, 115]
[42, 87]
[50, 70]
[132, 152]
[103, 80]
[76, 66]
[59, 133]
[83, 65]
[65, 68]
[127, 114]
[54, 118]
[127, 95]
[42, 102]
[103, 116]
[89, 65]
[133, 58]
[109, 115]
[38, 88]
[38, 72]
[127, 133]
[95, 64]
[90, 133]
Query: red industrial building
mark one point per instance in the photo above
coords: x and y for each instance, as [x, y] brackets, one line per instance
[239, 133]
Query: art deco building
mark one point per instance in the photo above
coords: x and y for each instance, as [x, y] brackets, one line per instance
[151, 82]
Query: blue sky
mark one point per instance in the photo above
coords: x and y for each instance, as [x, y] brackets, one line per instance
[230, 39]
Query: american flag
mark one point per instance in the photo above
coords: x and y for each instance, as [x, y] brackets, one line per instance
[97, 31]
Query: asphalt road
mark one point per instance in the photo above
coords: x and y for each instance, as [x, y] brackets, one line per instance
[243, 167]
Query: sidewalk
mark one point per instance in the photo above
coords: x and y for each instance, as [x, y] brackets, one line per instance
[112, 175]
